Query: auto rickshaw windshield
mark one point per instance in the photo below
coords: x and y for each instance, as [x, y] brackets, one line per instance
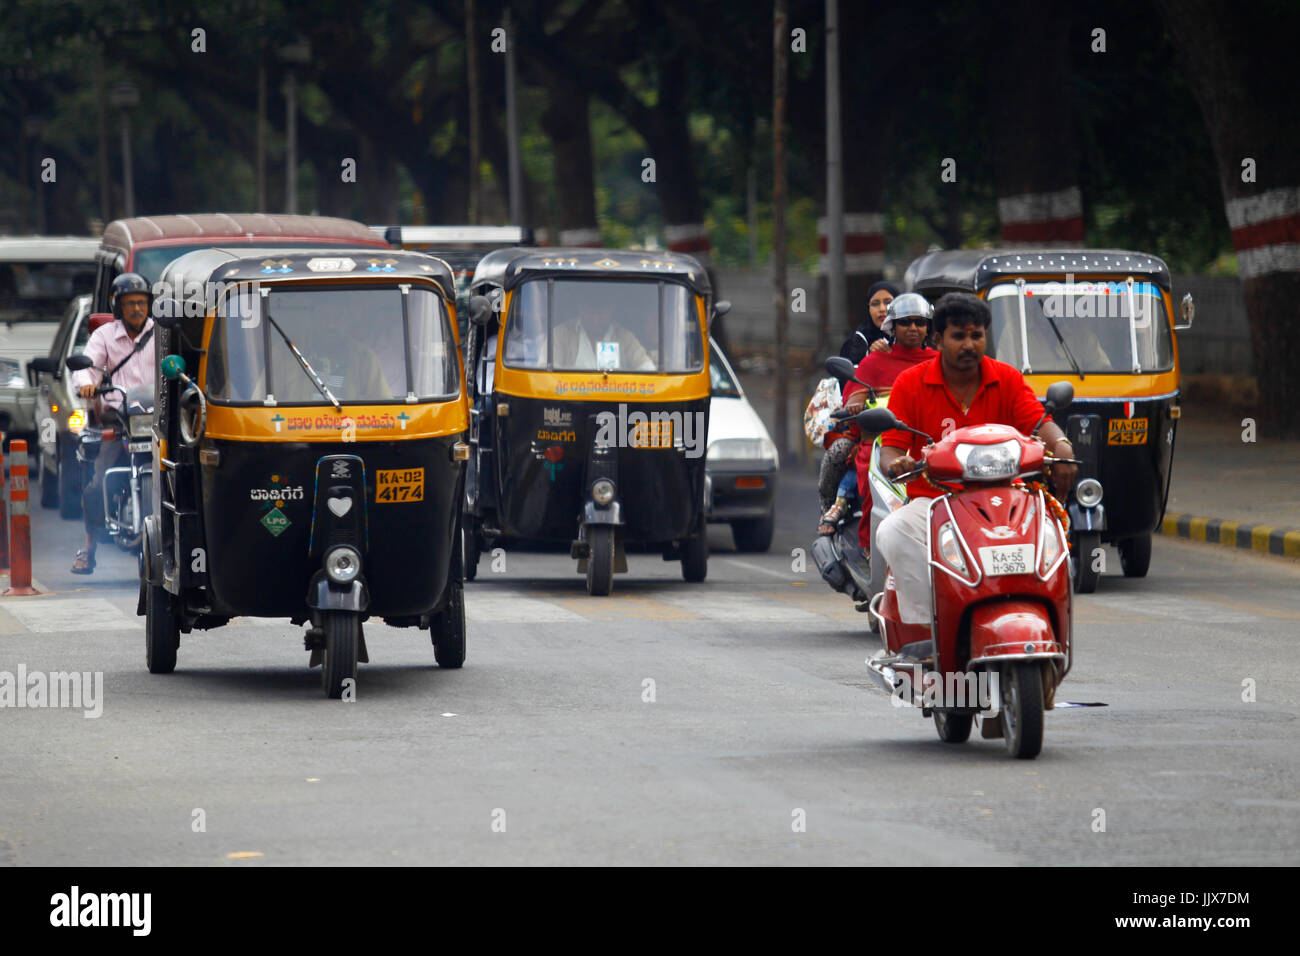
[597, 325]
[358, 341]
[1103, 328]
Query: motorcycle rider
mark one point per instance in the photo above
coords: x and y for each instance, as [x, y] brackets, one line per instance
[124, 350]
[961, 386]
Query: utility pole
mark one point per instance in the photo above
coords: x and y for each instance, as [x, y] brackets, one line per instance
[516, 177]
[295, 54]
[837, 288]
[101, 151]
[780, 39]
[125, 97]
[471, 69]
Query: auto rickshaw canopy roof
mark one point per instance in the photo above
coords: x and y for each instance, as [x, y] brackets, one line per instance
[971, 270]
[122, 234]
[195, 270]
[507, 268]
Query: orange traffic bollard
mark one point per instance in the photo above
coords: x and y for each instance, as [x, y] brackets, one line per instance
[20, 524]
[4, 510]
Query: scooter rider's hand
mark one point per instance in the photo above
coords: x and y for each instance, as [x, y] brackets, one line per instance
[900, 466]
[86, 391]
[1063, 475]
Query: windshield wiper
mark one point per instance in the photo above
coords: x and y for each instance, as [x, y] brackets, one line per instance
[1060, 338]
[306, 366]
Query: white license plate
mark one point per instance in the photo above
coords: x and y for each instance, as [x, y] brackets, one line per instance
[1007, 559]
[139, 446]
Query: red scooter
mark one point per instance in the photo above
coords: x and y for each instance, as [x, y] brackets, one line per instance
[999, 642]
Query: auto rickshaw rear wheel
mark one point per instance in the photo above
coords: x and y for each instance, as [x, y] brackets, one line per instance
[695, 557]
[342, 640]
[1022, 708]
[1085, 574]
[953, 728]
[162, 634]
[448, 630]
[1135, 556]
[471, 549]
[600, 560]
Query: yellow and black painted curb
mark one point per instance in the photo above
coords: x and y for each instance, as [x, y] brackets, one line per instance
[1233, 534]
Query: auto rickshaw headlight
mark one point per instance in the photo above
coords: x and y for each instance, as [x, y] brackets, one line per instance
[343, 564]
[1088, 493]
[602, 491]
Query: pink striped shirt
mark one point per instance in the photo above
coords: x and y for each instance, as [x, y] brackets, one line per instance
[108, 345]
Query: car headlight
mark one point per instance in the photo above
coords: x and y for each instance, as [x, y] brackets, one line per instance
[77, 420]
[11, 374]
[602, 491]
[1088, 493]
[139, 426]
[989, 462]
[343, 564]
[747, 448]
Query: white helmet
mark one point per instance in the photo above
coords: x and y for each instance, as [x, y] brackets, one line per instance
[905, 305]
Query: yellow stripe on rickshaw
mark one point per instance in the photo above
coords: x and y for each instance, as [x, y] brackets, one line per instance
[362, 423]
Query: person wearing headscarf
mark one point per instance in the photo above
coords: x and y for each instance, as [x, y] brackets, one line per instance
[869, 336]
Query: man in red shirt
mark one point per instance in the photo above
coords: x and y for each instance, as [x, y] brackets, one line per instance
[961, 387]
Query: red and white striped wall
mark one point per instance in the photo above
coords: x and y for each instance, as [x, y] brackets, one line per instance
[691, 239]
[1042, 219]
[587, 237]
[864, 243]
[1266, 232]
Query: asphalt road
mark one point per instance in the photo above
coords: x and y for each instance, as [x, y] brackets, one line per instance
[546, 748]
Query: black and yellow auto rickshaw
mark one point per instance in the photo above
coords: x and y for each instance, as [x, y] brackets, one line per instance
[309, 451]
[1104, 320]
[589, 390]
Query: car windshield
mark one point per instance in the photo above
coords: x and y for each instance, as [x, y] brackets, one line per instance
[39, 291]
[1093, 319]
[723, 385]
[353, 339]
[602, 325]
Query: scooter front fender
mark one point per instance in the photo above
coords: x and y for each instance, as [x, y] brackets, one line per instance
[1012, 630]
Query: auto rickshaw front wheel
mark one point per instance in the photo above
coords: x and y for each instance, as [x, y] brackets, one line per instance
[447, 630]
[162, 634]
[695, 557]
[1086, 568]
[1135, 556]
[342, 640]
[600, 560]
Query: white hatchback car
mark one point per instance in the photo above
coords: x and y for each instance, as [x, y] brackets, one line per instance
[742, 461]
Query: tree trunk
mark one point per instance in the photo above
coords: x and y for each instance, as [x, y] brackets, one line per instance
[567, 124]
[1241, 70]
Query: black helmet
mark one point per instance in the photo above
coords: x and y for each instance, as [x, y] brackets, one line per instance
[128, 283]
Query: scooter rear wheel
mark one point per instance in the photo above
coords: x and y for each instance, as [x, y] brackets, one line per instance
[1022, 708]
[953, 728]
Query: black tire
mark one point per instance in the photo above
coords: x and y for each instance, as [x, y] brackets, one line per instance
[49, 484]
[162, 635]
[471, 549]
[754, 534]
[69, 481]
[600, 560]
[695, 558]
[953, 728]
[448, 631]
[1085, 578]
[342, 641]
[1135, 556]
[1022, 708]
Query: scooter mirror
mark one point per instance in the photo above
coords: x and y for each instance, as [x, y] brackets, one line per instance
[1059, 395]
[873, 421]
[840, 367]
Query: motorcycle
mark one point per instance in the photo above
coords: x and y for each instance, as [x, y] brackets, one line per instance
[127, 488]
[999, 642]
[840, 558]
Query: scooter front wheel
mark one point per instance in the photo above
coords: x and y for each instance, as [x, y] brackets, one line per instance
[1022, 708]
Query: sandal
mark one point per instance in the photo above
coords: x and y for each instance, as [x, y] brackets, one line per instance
[834, 514]
[85, 563]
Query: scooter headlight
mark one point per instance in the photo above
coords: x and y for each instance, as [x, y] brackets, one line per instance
[76, 421]
[989, 462]
[1088, 493]
[343, 564]
[950, 550]
[602, 491]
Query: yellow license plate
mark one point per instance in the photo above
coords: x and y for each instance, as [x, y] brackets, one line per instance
[653, 434]
[399, 484]
[1127, 431]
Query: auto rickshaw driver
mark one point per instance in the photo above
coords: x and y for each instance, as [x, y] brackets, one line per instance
[345, 363]
[595, 340]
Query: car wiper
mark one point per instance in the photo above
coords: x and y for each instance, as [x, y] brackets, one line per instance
[1060, 338]
[306, 366]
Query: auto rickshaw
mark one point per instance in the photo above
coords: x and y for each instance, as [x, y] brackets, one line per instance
[589, 390]
[1103, 319]
[309, 450]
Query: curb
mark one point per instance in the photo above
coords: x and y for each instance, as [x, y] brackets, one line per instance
[1264, 538]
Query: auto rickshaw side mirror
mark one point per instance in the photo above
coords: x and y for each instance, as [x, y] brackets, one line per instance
[1188, 310]
[721, 308]
[78, 362]
[164, 318]
[173, 367]
[1059, 396]
[480, 310]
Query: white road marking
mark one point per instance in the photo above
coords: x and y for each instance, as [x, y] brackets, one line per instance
[53, 615]
[514, 609]
[783, 575]
[740, 607]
